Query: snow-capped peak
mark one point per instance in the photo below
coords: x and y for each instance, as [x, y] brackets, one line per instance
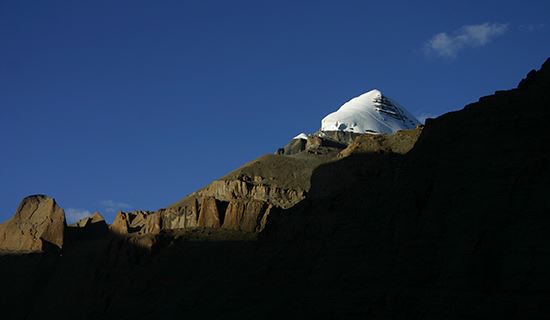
[371, 112]
[301, 136]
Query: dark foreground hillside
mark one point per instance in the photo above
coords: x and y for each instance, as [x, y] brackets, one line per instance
[458, 228]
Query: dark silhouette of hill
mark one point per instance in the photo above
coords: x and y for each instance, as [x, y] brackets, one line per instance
[457, 228]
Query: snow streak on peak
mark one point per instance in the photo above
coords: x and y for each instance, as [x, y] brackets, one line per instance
[301, 136]
[371, 112]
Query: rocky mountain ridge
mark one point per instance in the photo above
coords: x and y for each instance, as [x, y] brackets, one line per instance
[243, 200]
[240, 201]
[448, 221]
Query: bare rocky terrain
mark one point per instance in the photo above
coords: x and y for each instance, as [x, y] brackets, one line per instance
[448, 221]
[37, 225]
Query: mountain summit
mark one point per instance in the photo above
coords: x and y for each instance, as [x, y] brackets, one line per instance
[371, 112]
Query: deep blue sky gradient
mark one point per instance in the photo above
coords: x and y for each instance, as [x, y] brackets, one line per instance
[143, 102]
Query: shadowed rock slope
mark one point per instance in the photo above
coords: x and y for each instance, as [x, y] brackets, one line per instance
[240, 201]
[457, 228]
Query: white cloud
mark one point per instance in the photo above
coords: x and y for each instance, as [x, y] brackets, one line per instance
[75, 214]
[113, 206]
[478, 35]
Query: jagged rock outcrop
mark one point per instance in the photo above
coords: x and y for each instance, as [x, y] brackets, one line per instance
[88, 228]
[321, 142]
[37, 225]
[246, 216]
[242, 200]
[144, 222]
[239, 214]
[316, 143]
[342, 137]
[137, 222]
[95, 218]
[293, 147]
[182, 217]
[254, 188]
[211, 213]
[400, 142]
[120, 224]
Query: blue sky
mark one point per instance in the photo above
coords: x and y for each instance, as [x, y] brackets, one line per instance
[108, 105]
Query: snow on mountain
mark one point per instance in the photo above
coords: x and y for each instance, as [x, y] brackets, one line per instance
[301, 136]
[371, 112]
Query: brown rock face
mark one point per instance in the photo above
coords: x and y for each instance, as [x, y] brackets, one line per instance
[93, 219]
[316, 142]
[211, 213]
[293, 147]
[137, 222]
[120, 224]
[243, 199]
[237, 204]
[183, 217]
[152, 224]
[400, 142]
[38, 223]
[244, 216]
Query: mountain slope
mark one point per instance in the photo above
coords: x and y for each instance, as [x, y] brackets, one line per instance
[457, 228]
